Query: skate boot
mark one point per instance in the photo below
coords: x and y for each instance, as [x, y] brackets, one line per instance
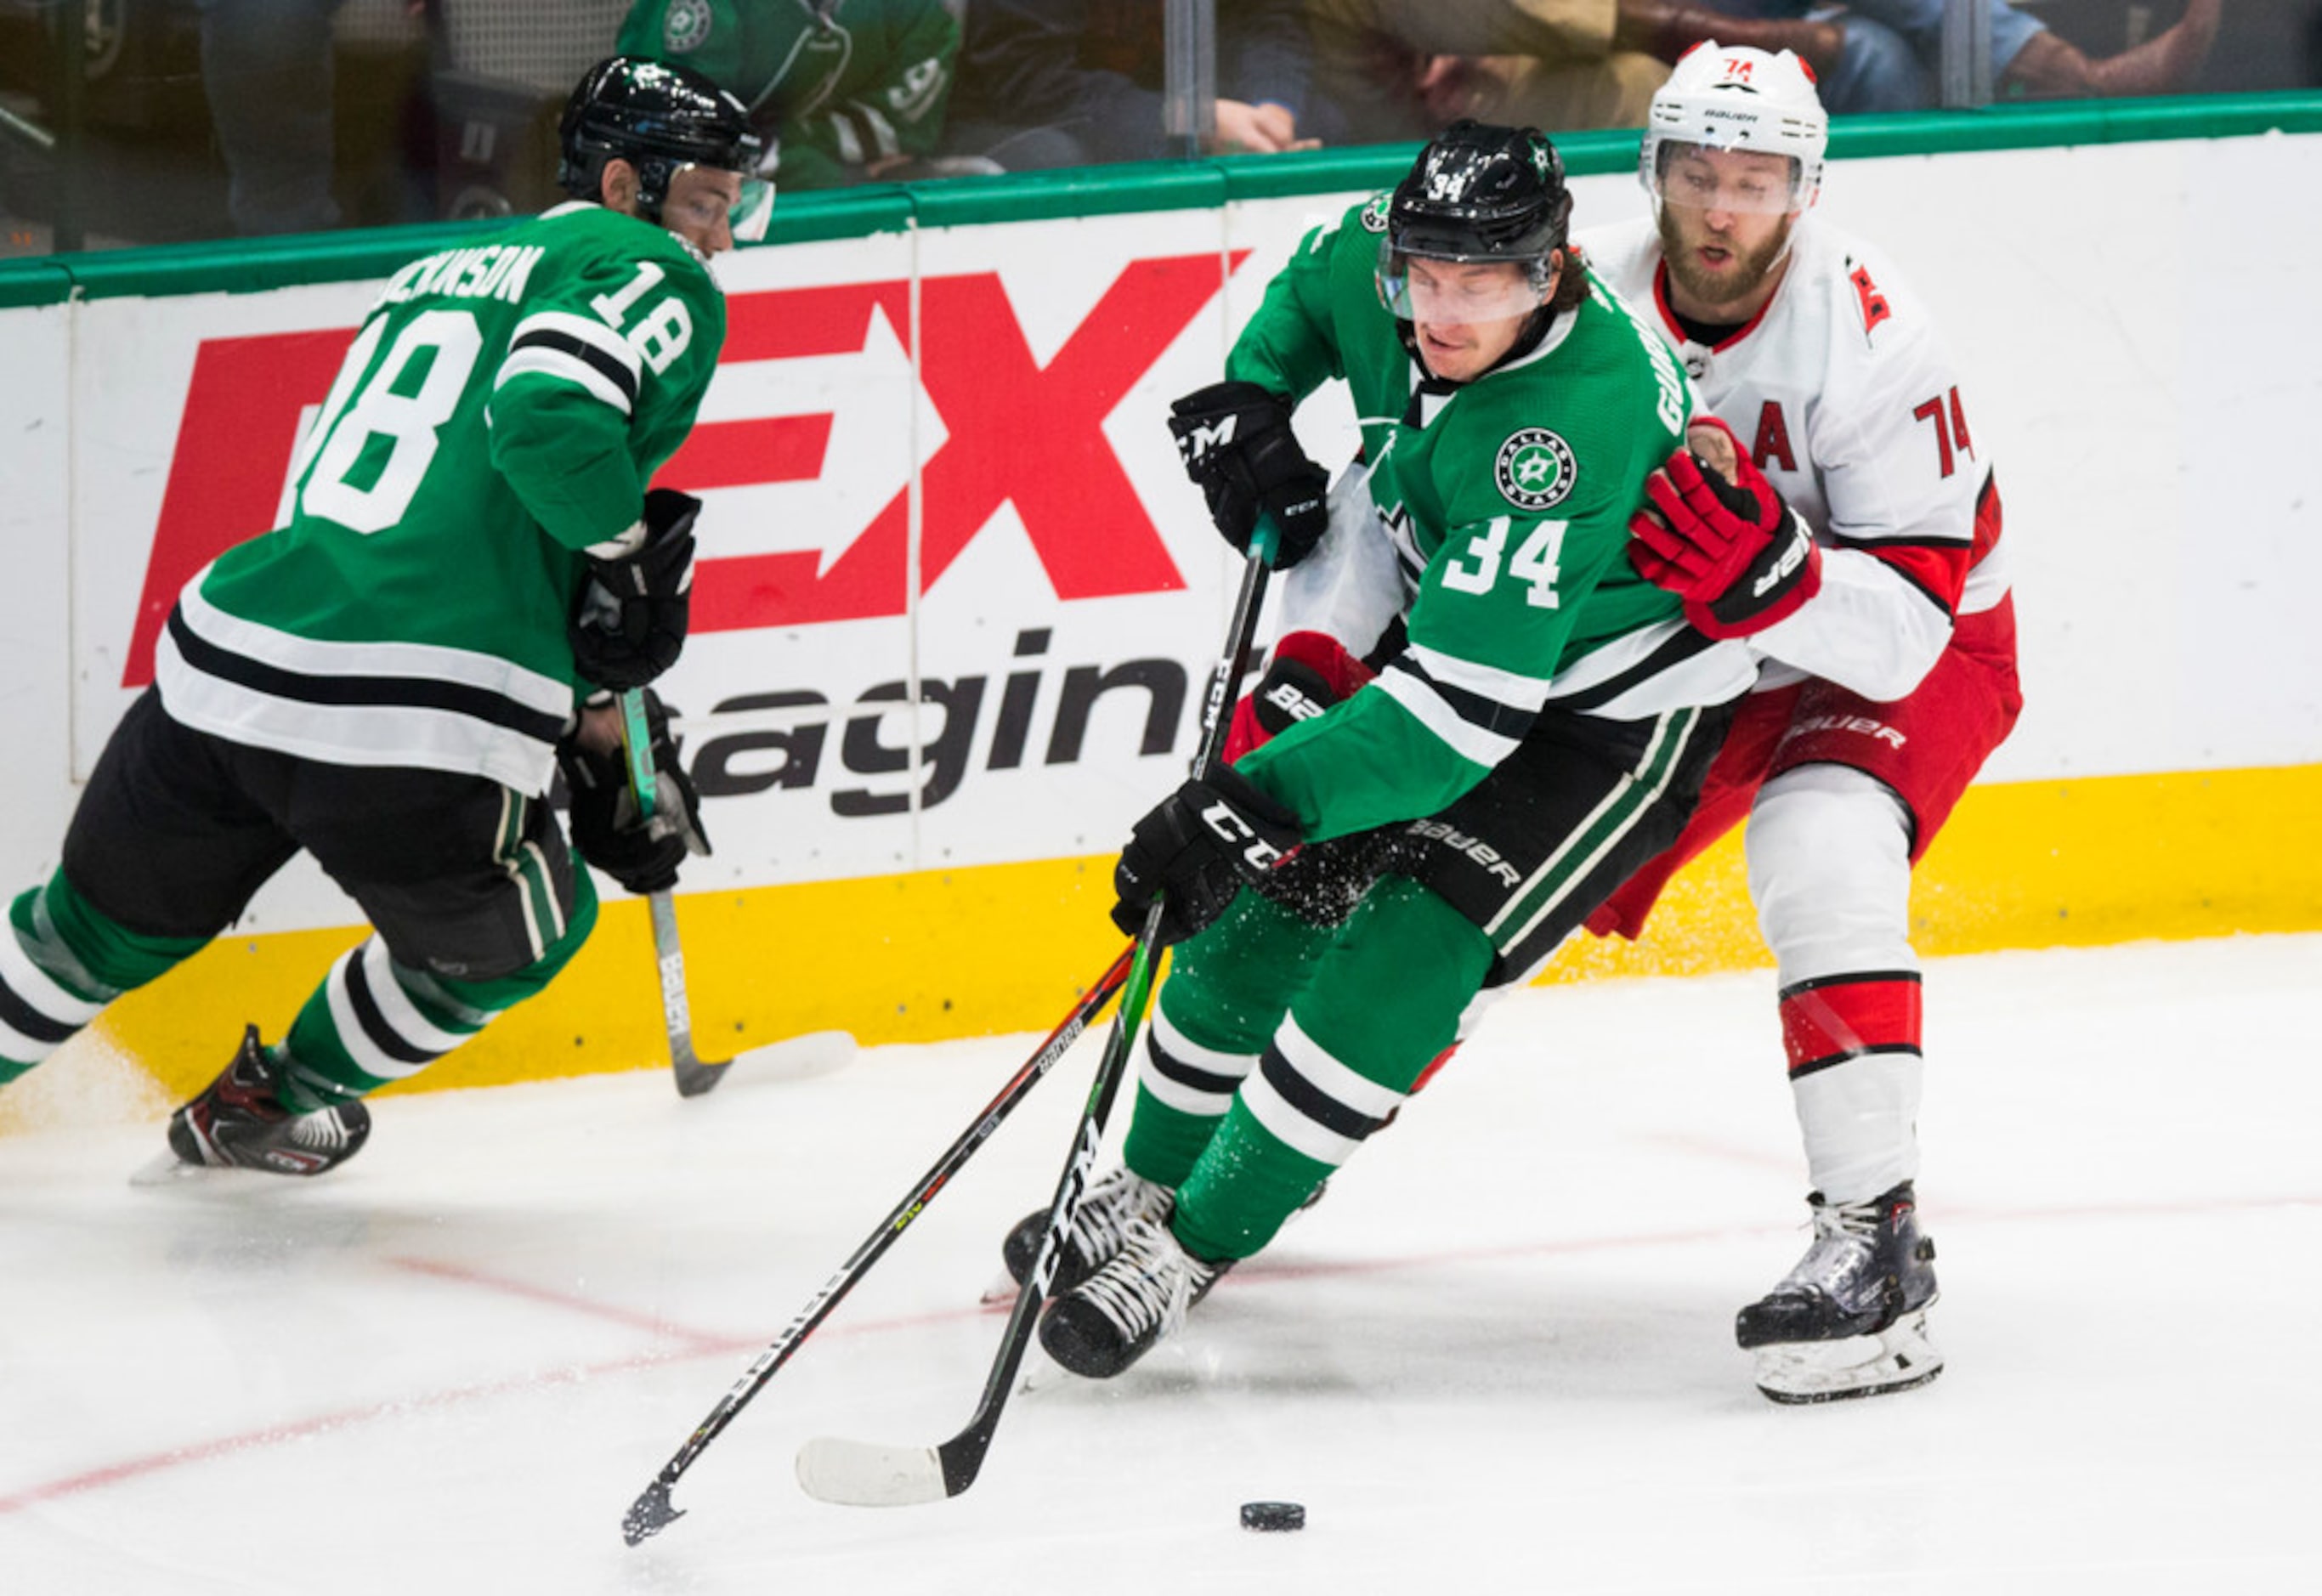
[239, 1122]
[1851, 1319]
[1116, 1316]
[1100, 1227]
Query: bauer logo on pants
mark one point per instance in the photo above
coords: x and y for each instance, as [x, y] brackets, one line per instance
[1535, 469]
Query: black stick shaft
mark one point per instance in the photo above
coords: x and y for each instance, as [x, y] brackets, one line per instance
[962, 1456]
[820, 1305]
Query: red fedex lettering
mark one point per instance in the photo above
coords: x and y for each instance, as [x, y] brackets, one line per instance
[1017, 433]
[234, 449]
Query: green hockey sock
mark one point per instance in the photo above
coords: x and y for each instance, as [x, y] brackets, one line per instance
[375, 1019]
[1226, 992]
[61, 962]
[1380, 1003]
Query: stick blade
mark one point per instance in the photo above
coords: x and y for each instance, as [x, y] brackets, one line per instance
[650, 1514]
[800, 1057]
[865, 1474]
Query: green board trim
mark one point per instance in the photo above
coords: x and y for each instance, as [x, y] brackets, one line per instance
[237, 266]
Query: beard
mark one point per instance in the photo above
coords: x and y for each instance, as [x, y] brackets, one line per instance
[1744, 277]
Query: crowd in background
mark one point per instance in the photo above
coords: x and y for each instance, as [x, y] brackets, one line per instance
[205, 117]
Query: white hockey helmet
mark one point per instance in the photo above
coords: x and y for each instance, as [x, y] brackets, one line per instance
[1739, 99]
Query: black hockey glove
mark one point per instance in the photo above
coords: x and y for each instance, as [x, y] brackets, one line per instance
[641, 852]
[1196, 849]
[1738, 555]
[630, 622]
[1236, 440]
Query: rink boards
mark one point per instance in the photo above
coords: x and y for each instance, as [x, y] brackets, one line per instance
[955, 601]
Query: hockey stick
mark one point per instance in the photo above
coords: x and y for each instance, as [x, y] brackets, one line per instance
[866, 1473]
[815, 1052]
[651, 1510]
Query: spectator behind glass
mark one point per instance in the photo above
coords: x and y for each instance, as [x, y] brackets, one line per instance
[1054, 83]
[847, 90]
[266, 69]
[1405, 69]
[1890, 54]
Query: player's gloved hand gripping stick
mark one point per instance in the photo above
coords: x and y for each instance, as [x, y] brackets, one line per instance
[868, 1474]
[671, 816]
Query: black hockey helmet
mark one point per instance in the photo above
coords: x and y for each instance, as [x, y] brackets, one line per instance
[1477, 194]
[1480, 192]
[657, 116]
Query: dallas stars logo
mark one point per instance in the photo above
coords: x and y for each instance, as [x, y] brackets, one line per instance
[686, 27]
[1374, 213]
[1535, 469]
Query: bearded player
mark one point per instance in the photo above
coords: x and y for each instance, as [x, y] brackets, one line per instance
[1889, 673]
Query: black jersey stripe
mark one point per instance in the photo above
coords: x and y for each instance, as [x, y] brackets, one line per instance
[1852, 978]
[1311, 1101]
[409, 692]
[1170, 1066]
[1679, 647]
[374, 1021]
[19, 1015]
[579, 348]
[1830, 1061]
[1500, 718]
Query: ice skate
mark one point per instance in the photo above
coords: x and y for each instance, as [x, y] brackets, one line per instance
[1850, 1318]
[1116, 1316]
[239, 1122]
[1100, 1230]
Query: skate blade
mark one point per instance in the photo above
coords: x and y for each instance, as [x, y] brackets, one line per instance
[165, 1168]
[1896, 1359]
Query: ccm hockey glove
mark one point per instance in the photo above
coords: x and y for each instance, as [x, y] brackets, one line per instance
[630, 623]
[640, 852]
[1238, 447]
[1196, 849]
[1739, 556]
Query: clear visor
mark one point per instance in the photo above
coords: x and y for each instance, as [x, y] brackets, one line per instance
[1441, 293]
[1753, 182]
[753, 213]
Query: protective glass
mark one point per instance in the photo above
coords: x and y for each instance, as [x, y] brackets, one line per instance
[753, 213]
[1455, 292]
[1753, 182]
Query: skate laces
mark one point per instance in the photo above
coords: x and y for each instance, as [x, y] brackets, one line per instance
[1151, 1282]
[1101, 1225]
[1845, 1238]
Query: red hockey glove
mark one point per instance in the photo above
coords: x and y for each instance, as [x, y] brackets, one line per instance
[1739, 556]
[1308, 673]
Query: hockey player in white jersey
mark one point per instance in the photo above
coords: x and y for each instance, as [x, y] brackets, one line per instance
[1890, 674]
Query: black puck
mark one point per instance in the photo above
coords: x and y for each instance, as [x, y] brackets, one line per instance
[1273, 1515]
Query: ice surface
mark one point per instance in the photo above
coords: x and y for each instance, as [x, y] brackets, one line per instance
[1498, 1356]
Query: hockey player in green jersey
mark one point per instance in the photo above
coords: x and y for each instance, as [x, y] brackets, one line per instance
[389, 680]
[1538, 723]
[846, 89]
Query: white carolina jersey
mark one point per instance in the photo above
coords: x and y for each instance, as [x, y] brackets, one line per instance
[1843, 395]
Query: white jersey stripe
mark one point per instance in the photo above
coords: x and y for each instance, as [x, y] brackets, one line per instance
[396, 1006]
[37, 987]
[1293, 1128]
[567, 367]
[368, 1055]
[364, 735]
[420, 662]
[1469, 741]
[1366, 1096]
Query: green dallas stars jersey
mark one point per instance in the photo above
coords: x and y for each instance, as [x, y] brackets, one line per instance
[1506, 500]
[500, 411]
[840, 84]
